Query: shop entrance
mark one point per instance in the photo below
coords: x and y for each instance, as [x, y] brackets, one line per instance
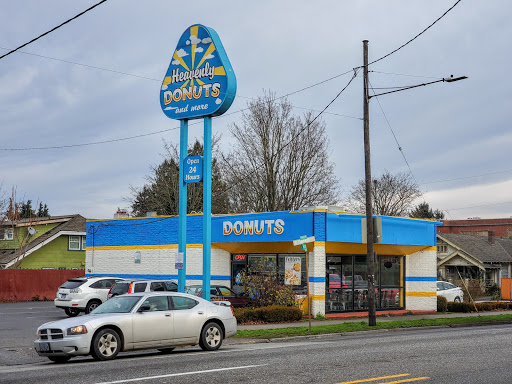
[346, 283]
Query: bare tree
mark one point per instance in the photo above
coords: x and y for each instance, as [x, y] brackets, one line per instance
[392, 195]
[278, 161]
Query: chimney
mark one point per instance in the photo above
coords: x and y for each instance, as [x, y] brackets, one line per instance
[490, 237]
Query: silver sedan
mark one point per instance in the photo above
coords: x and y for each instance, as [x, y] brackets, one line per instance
[160, 320]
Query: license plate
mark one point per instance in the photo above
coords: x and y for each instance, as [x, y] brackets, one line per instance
[45, 347]
[62, 295]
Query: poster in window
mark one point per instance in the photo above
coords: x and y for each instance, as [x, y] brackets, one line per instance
[292, 270]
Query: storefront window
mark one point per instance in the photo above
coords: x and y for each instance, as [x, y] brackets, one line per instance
[347, 283]
[275, 263]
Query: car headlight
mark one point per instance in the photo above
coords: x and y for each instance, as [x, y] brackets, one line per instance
[80, 329]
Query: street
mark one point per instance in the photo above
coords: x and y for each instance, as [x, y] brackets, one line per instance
[430, 355]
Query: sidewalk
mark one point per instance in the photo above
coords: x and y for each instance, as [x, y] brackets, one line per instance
[363, 316]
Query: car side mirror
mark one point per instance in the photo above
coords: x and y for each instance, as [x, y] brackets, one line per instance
[144, 308]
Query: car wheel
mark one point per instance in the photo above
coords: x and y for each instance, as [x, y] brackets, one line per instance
[71, 312]
[59, 359]
[105, 344]
[211, 337]
[166, 350]
[92, 305]
[457, 299]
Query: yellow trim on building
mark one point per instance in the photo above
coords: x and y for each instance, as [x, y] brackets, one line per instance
[319, 244]
[318, 297]
[381, 249]
[137, 247]
[421, 294]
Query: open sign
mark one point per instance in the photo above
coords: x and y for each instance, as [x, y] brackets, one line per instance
[240, 257]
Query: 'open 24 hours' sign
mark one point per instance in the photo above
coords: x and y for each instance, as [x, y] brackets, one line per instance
[193, 169]
[200, 80]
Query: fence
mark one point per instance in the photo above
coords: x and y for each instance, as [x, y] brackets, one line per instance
[506, 288]
[32, 284]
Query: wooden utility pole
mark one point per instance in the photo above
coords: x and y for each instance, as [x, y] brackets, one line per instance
[370, 261]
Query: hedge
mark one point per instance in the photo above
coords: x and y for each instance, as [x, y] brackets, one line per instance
[470, 307]
[270, 314]
[442, 304]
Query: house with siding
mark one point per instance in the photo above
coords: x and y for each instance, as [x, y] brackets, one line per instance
[465, 256]
[56, 242]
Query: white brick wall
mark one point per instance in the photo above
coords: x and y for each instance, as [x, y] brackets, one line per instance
[317, 269]
[157, 262]
[421, 295]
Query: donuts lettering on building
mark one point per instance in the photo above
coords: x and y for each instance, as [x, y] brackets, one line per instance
[253, 227]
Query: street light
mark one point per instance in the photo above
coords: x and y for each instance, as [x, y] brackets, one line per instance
[370, 256]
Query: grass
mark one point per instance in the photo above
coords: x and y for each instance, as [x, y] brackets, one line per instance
[363, 326]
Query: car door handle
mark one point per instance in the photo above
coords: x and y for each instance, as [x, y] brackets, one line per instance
[200, 312]
[168, 315]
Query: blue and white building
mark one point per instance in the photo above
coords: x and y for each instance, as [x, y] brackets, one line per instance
[405, 269]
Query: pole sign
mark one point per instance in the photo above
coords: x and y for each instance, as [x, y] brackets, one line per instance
[193, 169]
[200, 80]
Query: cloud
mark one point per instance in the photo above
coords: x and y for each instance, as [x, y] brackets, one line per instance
[182, 53]
[164, 87]
[199, 49]
[207, 40]
[218, 101]
[175, 62]
[168, 108]
[194, 40]
[188, 42]
[210, 56]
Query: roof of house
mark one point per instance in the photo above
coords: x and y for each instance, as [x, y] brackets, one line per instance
[480, 248]
[71, 223]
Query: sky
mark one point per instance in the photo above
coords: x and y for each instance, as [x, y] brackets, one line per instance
[98, 78]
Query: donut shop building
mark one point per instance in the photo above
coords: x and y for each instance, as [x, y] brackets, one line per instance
[405, 264]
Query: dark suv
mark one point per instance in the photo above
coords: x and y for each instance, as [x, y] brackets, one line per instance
[132, 286]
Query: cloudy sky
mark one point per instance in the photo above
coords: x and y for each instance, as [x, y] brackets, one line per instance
[98, 79]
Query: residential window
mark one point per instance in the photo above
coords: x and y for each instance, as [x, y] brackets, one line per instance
[8, 234]
[442, 248]
[83, 243]
[74, 243]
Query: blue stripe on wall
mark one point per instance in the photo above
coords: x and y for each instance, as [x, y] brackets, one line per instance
[420, 278]
[314, 279]
[161, 277]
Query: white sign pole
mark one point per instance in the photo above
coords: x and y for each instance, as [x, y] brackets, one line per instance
[302, 242]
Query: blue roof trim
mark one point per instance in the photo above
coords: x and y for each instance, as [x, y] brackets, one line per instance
[314, 279]
[420, 278]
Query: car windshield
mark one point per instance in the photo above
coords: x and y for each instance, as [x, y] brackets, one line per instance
[118, 304]
[120, 288]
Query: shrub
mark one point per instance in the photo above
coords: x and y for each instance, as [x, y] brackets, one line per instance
[267, 288]
[442, 304]
[270, 314]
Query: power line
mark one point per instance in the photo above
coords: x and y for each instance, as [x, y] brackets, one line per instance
[466, 177]
[240, 179]
[174, 128]
[53, 29]
[404, 74]
[478, 206]
[418, 35]
[393, 132]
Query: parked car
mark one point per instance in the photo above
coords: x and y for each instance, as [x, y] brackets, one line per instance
[221, 292]
[450, 291]
[160, 320]
[133, 286]
[83, 294]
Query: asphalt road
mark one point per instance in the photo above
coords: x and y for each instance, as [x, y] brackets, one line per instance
[429, 355]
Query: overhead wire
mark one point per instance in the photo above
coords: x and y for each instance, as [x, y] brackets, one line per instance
[240, 179]
[418, 35]
[53, 29]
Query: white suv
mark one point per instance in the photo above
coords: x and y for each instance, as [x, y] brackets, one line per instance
[83, 294]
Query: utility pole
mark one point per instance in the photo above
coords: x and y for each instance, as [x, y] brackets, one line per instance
[370, 262]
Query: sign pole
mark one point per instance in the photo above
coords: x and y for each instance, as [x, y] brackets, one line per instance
[182, 220]
[302, 242]
[207, 206]
[307, 284]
